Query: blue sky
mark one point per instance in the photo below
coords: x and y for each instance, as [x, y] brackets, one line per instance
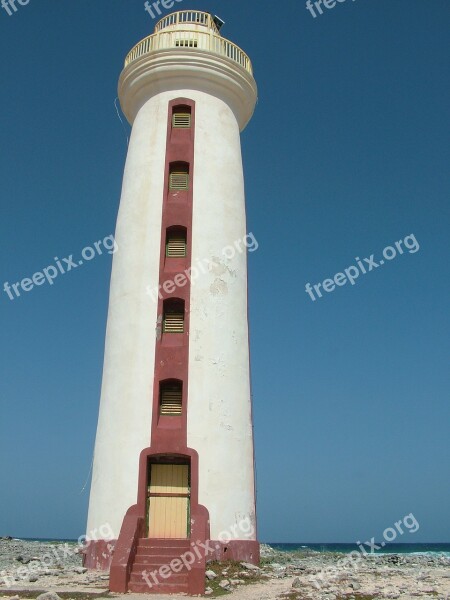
[347, 153]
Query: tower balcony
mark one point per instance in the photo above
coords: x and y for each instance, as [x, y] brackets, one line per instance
[188, 17]
[186, 31]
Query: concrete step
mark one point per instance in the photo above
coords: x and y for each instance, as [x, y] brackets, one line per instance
[172, 552]
[152, 554]
[166, 588]
[175, 578]
[155, 561]
[160, 543]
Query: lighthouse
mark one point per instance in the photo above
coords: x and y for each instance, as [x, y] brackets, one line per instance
[173, 481]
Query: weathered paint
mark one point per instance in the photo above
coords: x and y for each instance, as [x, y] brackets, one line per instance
[125, 415]
[214, 435]
[168, 511]
[219, 420]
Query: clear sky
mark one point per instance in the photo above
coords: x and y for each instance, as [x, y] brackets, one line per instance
[347, 154]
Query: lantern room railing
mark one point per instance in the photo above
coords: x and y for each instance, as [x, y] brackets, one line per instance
[189, 40]
[191, 17]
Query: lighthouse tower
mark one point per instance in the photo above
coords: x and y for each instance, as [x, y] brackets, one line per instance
[173, 476]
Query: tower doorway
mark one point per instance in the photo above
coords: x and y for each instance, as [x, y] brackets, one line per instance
[168, 502]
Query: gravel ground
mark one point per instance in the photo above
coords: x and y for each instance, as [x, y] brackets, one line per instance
[45, 565]
[28, 568]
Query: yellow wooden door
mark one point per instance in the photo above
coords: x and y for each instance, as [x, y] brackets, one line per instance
[168, 501]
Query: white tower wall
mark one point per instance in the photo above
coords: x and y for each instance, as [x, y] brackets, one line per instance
[216, 75]
[219, 418]
[125, 416]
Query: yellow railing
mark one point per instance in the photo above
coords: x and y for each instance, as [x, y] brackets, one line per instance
[193, 17]
[189, 40]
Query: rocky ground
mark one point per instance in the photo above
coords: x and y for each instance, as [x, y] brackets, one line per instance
[40, 565]
[329, 576]
[29, 568]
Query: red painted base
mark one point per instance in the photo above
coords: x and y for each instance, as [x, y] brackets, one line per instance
[158, 568]
[239, 550]
[97, 554]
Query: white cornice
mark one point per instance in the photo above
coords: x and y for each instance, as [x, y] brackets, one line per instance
[174, 69]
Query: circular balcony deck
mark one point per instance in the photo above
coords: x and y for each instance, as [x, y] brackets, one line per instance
[189, 30]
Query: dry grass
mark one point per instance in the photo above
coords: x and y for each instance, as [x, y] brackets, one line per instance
[231, 570]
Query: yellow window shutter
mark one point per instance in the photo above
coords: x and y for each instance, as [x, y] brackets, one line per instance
[174, 322]
[171, 400]
[179, 181]
[181, 120]
[176, 246]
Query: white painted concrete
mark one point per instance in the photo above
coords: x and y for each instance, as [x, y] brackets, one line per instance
[219, 410]
[124, 425]
[195, 69]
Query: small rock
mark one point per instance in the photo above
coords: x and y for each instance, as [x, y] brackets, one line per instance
[296, 583]
[208, 591]
[15, 598]
[80, 570]
[355, 585]
[49, 596]
[210, 574]
[33, 578]
[250, 567]
[22, 560]
[224, 584]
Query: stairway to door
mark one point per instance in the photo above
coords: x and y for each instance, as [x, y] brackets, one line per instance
[151, 557]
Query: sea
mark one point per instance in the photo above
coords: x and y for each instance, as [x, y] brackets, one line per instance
[431, 549]
[442, 549]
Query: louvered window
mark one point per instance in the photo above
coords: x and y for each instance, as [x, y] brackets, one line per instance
[179, 180]
[186, 43]
[173, 321]
[176, 245]
[171, 399]
[181, 120]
